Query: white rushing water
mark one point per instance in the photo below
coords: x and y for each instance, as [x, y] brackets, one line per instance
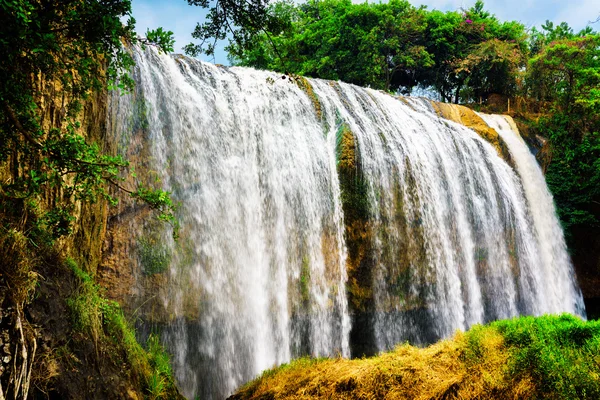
[554, 265]
[259, 274]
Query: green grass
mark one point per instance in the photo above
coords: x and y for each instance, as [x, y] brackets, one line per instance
[104, 320]
[547, 357]
[561, 354]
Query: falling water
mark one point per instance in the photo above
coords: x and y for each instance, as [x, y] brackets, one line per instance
[259, 276]
[554, 266]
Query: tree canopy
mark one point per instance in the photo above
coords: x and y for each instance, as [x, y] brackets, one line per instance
[391, 46]
[566, 75]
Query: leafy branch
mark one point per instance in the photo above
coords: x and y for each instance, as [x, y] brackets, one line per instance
[56, 57]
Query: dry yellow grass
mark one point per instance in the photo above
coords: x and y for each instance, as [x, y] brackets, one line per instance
[451, 369]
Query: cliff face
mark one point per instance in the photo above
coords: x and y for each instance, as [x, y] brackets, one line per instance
[55, 324]
[136, 257]
[35, 283]
[467, 117]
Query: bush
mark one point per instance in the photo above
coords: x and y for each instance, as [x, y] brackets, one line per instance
[560, 353]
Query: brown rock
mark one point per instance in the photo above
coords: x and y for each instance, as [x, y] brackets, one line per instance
[470, 119]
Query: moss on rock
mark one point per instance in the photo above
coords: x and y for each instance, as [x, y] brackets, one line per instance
[467, 117]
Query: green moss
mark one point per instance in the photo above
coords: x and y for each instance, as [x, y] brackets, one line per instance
[305, 280]
[93, 314]
[481, 254]
[154, 256]
[354, 186]
[305, 85]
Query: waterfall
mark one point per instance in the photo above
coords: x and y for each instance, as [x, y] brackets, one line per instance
[554, 265]
[283, 252]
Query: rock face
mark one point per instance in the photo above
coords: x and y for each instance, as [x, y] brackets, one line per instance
[40, 338]
[469, 118]
[359, 235]
[296, 190]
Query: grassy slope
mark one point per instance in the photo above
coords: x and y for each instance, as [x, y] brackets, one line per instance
[553, 357]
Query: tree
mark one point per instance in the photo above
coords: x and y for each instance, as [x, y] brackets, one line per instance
[377, 45]
[566, 75]
[74, 47]
[472, 50]
[492, 66]
[242, 20]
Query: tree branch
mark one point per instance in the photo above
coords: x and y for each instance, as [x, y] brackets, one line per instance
[119, 186]
[20, 128]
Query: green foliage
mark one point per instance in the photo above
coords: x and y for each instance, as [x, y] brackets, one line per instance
[56, 56]
[92, 314]
[549, 33]
[392, 46]
[560, 354]
[162, 373]
[376, 45]
[565, 74]
[86, 304]
[241, 21]
[120, 332]
[574, 174]
[465, 47]
[164, 40]
[158, 200]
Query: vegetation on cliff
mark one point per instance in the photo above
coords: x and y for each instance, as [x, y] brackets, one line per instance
[58, 60]
[55, 59]
[548, 357]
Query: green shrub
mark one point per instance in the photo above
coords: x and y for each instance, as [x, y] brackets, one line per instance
[560, 353]
[161, 377]
[85, 304]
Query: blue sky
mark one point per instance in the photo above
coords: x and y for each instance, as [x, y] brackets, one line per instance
[179, 17]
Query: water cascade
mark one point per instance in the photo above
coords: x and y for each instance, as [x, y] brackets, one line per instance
[325, 219]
